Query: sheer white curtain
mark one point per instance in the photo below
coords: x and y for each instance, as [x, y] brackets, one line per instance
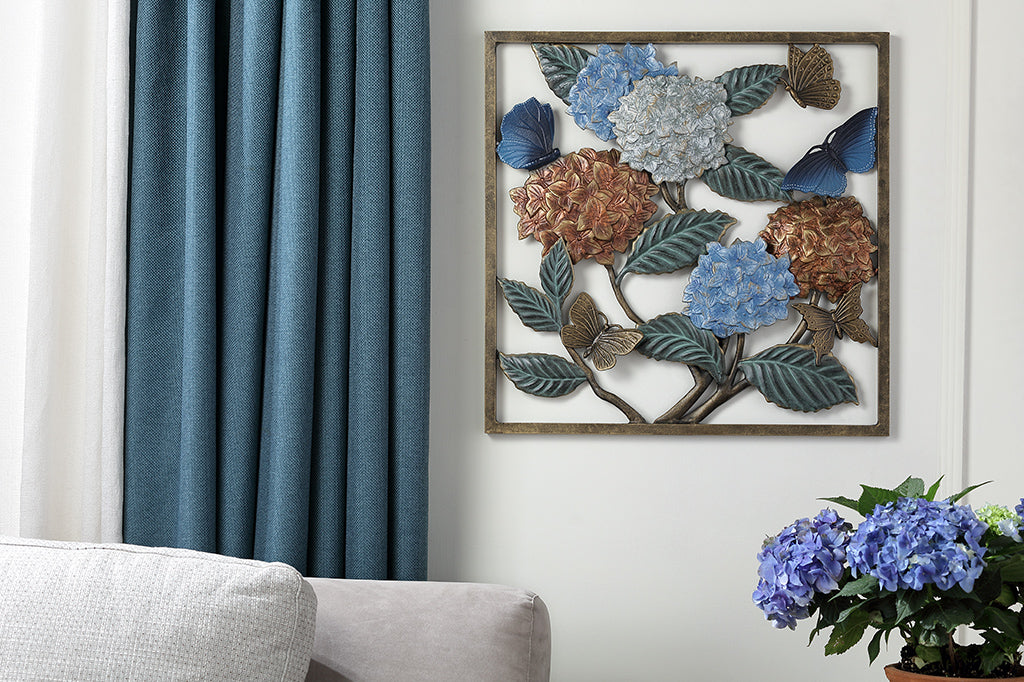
[63, 167]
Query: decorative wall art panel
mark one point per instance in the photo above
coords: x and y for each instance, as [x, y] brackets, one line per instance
[687, 233]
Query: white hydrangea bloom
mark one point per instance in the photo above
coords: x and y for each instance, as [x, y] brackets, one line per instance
[674, 127]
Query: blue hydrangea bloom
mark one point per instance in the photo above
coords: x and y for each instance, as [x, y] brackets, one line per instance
[738, 288]
[804, 560]
[608, 76]
[913, 542]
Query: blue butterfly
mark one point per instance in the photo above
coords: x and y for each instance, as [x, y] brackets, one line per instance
[850, 147]
[528, 136]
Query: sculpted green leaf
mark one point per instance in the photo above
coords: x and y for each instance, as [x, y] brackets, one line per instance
[746, 177]
[675, 338]
[540, 374]
[749, 87]
[676, 241]
[560, 65]
[533, 308]
[556, 276]
[787, 376]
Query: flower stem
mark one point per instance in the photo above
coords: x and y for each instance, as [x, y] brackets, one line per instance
[674, 195]
[717, 399]
[701, 381]
[632, 415]
[620, 298]
[741, 340]
[953, 665]
[726, 390]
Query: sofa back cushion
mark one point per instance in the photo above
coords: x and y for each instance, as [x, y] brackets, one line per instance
[72, 611]
[382, 631]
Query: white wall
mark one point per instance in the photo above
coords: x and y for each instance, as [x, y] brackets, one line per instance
[644, 548]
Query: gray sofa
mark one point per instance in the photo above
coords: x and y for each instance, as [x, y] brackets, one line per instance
[72, 611]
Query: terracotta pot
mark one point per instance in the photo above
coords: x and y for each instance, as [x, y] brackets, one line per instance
[896, 675]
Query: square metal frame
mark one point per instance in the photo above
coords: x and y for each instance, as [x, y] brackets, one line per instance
[492, 39]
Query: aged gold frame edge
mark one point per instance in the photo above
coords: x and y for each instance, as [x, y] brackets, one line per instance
[491, 41]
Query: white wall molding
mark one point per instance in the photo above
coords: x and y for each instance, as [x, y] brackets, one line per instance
[952, 407]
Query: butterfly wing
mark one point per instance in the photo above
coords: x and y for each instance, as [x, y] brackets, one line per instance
[854, 141]
[817, 173]
[822, 325]
[847, 318]
[810, 79]
[584, 324]
[528, 135]
[612, 342]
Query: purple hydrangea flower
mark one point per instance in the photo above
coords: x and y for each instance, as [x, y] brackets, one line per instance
[804, 560]
[912, 542]
[738, 288]
[608, 76]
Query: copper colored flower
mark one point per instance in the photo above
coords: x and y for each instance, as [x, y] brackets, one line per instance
[828, 242]
[588, 198]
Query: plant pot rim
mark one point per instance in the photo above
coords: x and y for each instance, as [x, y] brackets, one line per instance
[895, 674]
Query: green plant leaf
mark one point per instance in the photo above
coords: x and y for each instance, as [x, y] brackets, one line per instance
[540, 374]
[927, 654]
[847, 633]
[746, 177]
[963, 493]
[556, 277]
[875, 646]
[1013, 570]
[749, 87]
[947, 615]
[560, 65]
[909, 602]
[534, 308]
[675, 241]
[912, 487]
[871, 496]
[675, 338]
[1003, 620]
[933, 490]
[992, 656]
[788, 376]
[866, 584]
[842, 501]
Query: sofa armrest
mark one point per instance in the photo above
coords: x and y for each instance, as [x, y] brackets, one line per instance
[370, 630]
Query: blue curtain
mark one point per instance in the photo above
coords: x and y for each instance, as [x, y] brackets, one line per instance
[278, 282]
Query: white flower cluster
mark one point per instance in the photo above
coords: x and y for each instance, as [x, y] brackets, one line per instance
[674, 127]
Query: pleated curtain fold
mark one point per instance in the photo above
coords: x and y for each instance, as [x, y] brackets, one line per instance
[278, 283]
[64, 174]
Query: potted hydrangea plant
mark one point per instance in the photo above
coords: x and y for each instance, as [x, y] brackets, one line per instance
[916, 566]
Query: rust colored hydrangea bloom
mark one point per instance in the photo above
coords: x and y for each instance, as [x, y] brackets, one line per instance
[828, 242]
[598, 205]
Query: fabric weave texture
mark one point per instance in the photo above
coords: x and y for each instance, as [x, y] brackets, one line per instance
[278, 300]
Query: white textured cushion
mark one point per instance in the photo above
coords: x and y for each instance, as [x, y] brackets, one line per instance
[71, 611]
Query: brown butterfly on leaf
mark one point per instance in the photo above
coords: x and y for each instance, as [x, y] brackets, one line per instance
[827, 325]
[589, 329]
[810, 80]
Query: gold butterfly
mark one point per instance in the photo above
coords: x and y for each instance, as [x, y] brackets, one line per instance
[810, 80]
[589, 329]
[827, 325]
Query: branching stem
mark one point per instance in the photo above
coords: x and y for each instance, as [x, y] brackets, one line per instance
[674, 194]
[621, 298]
[632, 415]
[701, 381]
